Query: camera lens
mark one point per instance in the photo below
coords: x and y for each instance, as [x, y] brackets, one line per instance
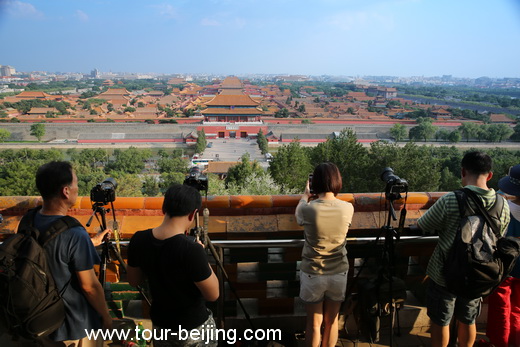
[110, 181]
[388, 175]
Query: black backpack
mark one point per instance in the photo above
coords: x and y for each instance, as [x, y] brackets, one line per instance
[480, 259]
[30, 304]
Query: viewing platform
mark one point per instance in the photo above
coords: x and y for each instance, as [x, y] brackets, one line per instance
[259, 241]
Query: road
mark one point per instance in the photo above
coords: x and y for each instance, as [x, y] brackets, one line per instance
[232, 150]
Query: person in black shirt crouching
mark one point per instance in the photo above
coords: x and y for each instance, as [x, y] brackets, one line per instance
[178, 271]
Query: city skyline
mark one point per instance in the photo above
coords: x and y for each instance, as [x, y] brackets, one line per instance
[231, 37]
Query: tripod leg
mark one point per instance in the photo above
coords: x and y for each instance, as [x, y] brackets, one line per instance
[397, 320]
[231, 287]
[221, 301]
[103, 265]
[123, 265]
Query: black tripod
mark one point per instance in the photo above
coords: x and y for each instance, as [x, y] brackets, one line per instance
[200, 234]
[108, 248]
[374, 304]
[388, 261]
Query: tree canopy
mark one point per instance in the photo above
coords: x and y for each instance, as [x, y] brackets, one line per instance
[201, 144]
[4, 134]
[139, 172]
[398, 131]
[38, 131]
[262, 142]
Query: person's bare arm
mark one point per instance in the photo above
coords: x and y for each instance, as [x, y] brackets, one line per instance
[95, 295]
[98, 238]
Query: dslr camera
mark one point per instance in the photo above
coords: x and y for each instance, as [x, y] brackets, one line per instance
[104, 192]
[196, 179]
[394, 184]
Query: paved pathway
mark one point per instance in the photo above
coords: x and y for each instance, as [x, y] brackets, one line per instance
[233, 149]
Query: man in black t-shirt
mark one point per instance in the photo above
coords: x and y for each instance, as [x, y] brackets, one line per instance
[178, 272]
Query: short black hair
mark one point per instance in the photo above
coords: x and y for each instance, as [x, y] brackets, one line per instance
[52, 177]
[326, 178]
[181, 200]
[477, 163]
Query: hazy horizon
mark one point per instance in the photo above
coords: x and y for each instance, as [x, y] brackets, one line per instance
[243, 37]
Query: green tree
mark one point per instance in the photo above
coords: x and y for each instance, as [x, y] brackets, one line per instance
[88, 94]
[290, 167]
[129, 161]
[162, 153]
[283, 113]
[38, 130]
[469, 130]
[89, 157]
[301, 108]
[88, 177]
[19, 168]
[516, 132]
[4, 135]
[262, 142]
[398, 131]
[503, 159]
[201, 144]
[425, 130]
[500, 132]
[169, 178]
[238, 174]
[188, 112]
[151, 186]
[412, 162]
[256, 184]
[442, 134]
[454, 136]
[349, 155]
[176, 164]
[17, 178]
[128, 184]
[448, 181]
[481, 132]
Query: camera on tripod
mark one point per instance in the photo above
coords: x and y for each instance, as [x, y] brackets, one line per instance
[196, 179]
[394, 184]
[104, 192]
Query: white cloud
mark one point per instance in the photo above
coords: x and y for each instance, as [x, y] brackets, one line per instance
[82, 16]
[167, 10]
[17, 8]
[208, 22]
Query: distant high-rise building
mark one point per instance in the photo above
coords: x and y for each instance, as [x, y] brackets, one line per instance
[94, 73]
[6, 70]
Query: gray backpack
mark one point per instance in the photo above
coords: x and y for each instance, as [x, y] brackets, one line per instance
[480, 259]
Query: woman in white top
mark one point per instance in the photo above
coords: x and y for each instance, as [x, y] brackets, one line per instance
[324, 266]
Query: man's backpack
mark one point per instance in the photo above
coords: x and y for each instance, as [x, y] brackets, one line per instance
[480, 258]
[30, 304]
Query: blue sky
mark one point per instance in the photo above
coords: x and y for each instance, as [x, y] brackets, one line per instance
[463, 38]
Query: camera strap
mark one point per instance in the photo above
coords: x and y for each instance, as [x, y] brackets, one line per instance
[402, 217]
